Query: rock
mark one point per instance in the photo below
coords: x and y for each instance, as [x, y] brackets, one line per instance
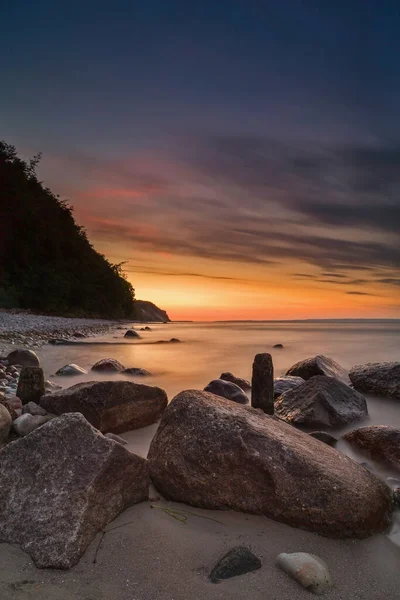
[396, 496]
[5, 423]
[62, 484]
[145, 328]
[114, 406]
[228, 390]
[71, 370]
[14, 402]
[310, 571]
[212, 453]
[132, 333]
[321, 402]
[175, 341]
[108, 365]
[380, 441]
[116, 438]
[242, 383]
[285, 383]
[31, 385]
[33, 409]
[27, 423]
[262, 383]
[319, 365]
[49, 385]
[325, 437]
[280, 346]
[237, 561]
[381, 379]
[25, 358]
[136, 372]
[79, 334]
[10, 409]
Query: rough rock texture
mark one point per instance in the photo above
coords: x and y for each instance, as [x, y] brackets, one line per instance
[380, 441]
[26, 358]
[136, 372]
[318, 365]
[116, 438]
[71, 370]
[27, 423]
[132, 333]
[285, 383]
[262, 383]
[62, 484]
[108, 365]
[227, 390]
[238, 561]
[216, 454]
[242, 383]
[5, 423]
[9, 408]
[325, 437]
[310, 571]
[34, 409]
[115, 406]
[382, 379]
[31, 385]
[321, 402]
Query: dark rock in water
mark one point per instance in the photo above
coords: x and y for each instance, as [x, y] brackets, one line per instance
[132, 333]
[145, 328]
[212, 453]
[242, 383]
[71, 370]
[108, 365]
[57, 342]
[27, 423]
[5, 423]
[325, 437]
[136, 372]
[367, 466]
[262, 383]
[285, 383]
[25, 358]
[31, 385]
[321, 402]
[380, 441]
[310, 571]
[381, 379]
[115, 406]
[238, 561]
[54, 517]
[277, 346]
[319, 365]
[174, 341]
[228, 390]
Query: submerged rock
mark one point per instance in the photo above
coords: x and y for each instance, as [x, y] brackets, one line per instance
[216, 454]
[62, 484]
[242, 383]
[319, 365]
[310, 571]
[285, 383]
[108, 365]
[279, 346]
[25, 358]
[71, 370]
[321, 402]
[132, 333]
[381, 379]
[228, 390]
[238, 561]
[380, 441]
[115, 406]
[136, 372]
[31, 385]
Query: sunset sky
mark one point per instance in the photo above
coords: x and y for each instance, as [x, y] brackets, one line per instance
[242, 157]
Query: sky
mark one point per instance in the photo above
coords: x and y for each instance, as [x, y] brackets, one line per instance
[241, 158]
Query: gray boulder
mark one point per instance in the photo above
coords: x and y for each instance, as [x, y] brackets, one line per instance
[62, 484]
[108, 365]
[31, 385]
[381, 379]
[321, 402]
[71, 370]
[381, 442]
[212, 453]
[27, 423]
[228, 390]
[25, 358]
[34, 409]
[242, 383]
[285, 383]
[5, 423]
[310, 571]
[319, 365]
[115, 406]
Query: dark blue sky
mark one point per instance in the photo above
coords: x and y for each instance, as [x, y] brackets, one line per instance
[249, 132]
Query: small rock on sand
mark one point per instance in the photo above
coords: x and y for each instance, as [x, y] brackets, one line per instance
[310, 571]
[238, 561]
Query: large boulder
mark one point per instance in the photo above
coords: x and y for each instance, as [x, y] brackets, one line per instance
[321, 402]
[114, 406]
[228, 390]
[31, 385]
[62, 484]
[216, 454]
[71, 370]
[381, 379]
[5, 423]
[242, 383]
[108, 365]
[318, 365]
[25, 358]
[381, 442]
[285, 383]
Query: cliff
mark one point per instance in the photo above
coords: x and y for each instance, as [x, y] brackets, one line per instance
[147, 311]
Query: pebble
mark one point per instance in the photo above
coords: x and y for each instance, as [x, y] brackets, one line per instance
[310, 571]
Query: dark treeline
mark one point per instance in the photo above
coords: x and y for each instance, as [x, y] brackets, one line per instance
[47, 264]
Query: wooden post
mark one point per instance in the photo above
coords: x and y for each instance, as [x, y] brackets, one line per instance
[262, 383]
